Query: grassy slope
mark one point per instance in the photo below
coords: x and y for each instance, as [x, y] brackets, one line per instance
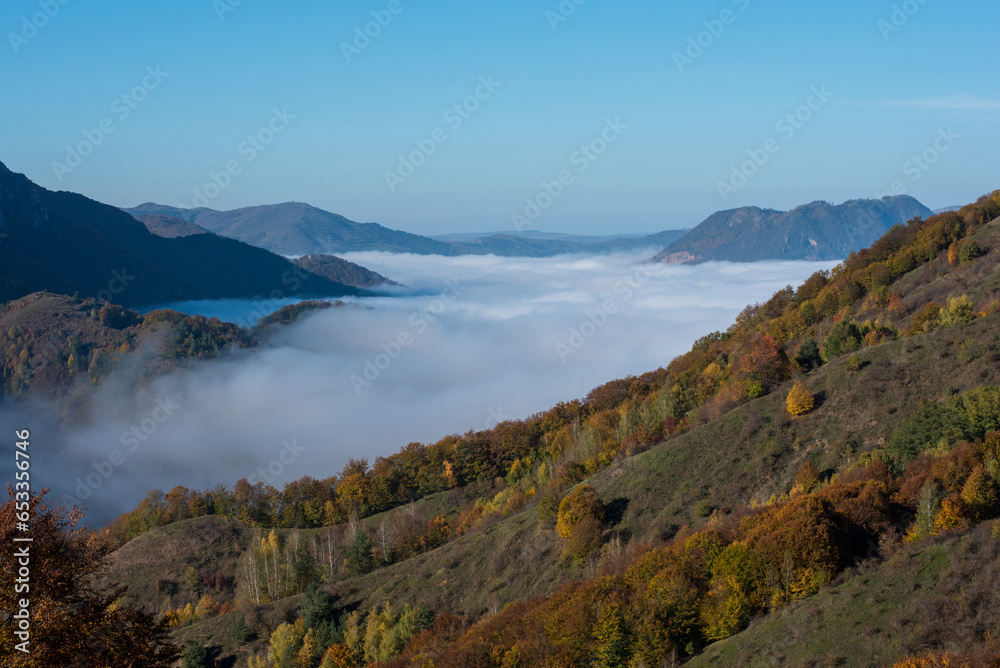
[875, 616]
[216, 544]
[747, 454]
[752, 452]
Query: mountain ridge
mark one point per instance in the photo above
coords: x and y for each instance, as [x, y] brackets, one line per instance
[815, 231]
[66, 243]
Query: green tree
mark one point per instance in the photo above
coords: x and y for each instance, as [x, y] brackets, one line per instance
[319, 613]
[808, 357]
[844, 338]
[238, 630]
[195, 656]
[359, 554]
[969, 251]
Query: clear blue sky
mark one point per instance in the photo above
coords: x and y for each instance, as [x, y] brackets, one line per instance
[686, 130]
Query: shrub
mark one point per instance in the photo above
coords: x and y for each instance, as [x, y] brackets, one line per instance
[854, 364]
[580, 503]
[584, 539]
[969, 251]
[800, 400]
[958, 311]
[548, 508]
[844, 338]
[703, 508]
[807, 477]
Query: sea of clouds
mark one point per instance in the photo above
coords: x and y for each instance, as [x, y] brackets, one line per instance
[463, 343]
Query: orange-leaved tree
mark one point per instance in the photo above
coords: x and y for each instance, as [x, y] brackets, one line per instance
[75, 620]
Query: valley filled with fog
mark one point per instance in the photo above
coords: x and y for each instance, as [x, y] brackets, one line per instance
[462, 343]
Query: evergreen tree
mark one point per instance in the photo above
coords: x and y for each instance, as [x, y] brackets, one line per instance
[195, 656]
[359, 554]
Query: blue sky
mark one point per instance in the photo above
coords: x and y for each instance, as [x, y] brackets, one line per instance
[681, 129]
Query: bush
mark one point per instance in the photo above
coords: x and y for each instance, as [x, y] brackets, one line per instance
[969, 251]
[844, 338]
[800, 400]
[548, 508]
[958, 311]
[703, 508]
[580, 503]
[584, 539]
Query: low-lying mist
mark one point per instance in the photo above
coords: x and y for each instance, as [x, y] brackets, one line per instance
[466, 342]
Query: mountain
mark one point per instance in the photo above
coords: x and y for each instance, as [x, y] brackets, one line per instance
[540, 245]
[65, 243]
[816, 231]
[294, 228]
[341, 271]
[169, 227]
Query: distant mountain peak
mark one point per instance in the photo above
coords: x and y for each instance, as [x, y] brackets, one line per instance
[818, 231]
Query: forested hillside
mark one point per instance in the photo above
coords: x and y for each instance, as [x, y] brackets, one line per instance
[833, 437]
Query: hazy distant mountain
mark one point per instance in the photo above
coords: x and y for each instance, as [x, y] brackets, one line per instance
[537, 244]
[294, 228]
[300, 229]
[169, 227]
[816, 231]
[65, 243]
[342, 271]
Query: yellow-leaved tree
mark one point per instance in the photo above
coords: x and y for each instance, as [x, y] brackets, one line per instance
[800, 400]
